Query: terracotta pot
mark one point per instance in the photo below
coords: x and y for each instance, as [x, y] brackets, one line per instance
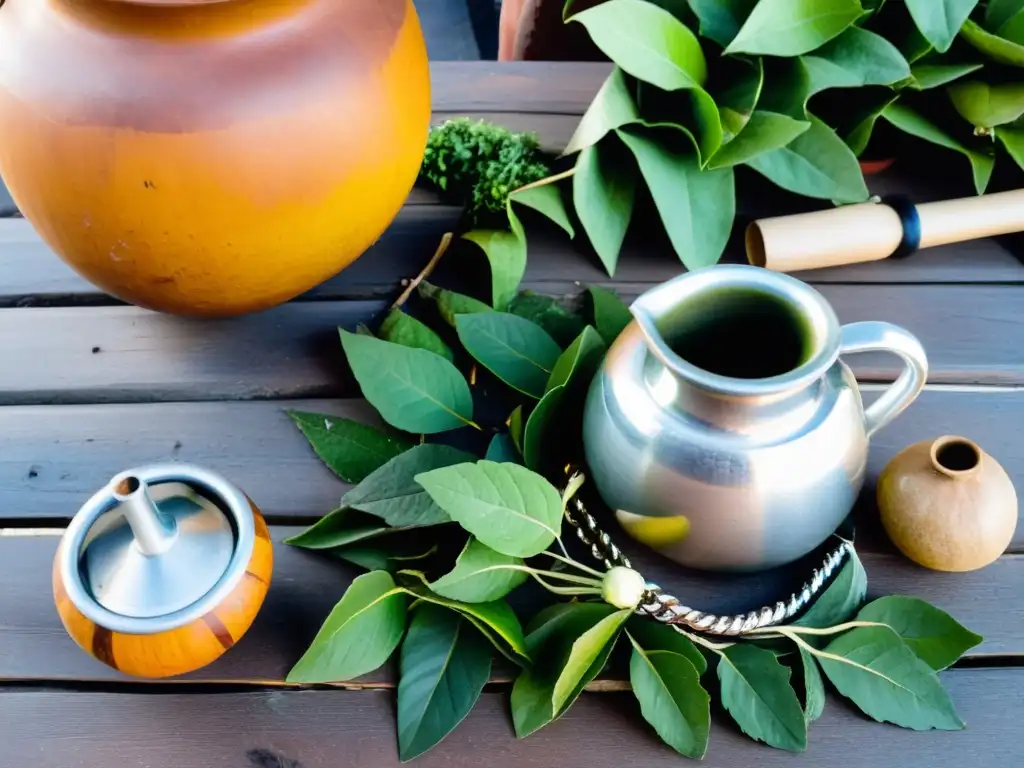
[947, 505]
[873, 167]
[211, 157]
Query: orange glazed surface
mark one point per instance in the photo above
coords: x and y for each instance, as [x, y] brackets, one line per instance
[211, 159]
[186, 648]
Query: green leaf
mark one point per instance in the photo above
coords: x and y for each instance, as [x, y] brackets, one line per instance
[986, 106]
[647, 42]
[506, 252]
[793, 27]
[993, 46]
[517, 351]
[362, 330]
[764, 132]
[787, 88]
[400, 328]
[389, 556]
[604, 190]
[874, 668]
[720, 20]
[612, 107]
[550, 640]
[841, 599]
[542, 418]
[445, 665]
[926, 76]
[495, 620]
[574, 368]
[516, 427]
[372, 607]
[652, 636]
[480, 575]
[814, 687]
[856, 58]
[696, 207]
[546, 199]
[817, 163]
[757, 693]
[450, 303]
[692, 113]
[671, 699]
[911, 122]
[546, 311]
[349, 449]
[611, 315]
[940, 20]
[1000, 12]
[392, 493]
[1013, 140]
[736, 99]
[932, 634]
[507, 507]
[337, 529]
[412, 389]
[914, 46]
[501, 449]
[581, 359]
[864, 122]
[586, 650]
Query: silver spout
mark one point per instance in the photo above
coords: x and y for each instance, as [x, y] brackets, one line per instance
[153, 530]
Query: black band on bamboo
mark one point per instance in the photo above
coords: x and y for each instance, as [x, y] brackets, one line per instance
[910, 221]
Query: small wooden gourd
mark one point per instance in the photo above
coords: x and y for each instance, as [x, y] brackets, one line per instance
[163, 570]
[947, 505]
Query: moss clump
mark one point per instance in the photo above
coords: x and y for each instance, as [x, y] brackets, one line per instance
[477, 164]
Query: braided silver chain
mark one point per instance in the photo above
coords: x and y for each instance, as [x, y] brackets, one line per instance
[669, 610]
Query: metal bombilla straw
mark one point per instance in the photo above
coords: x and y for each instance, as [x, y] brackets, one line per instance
[154, 531]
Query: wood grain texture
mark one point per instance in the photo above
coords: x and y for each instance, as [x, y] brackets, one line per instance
[311, 729]
[35, 276]
[52, 458]
[185, 648]
[973, 335]
[117, 354]
[307, 585]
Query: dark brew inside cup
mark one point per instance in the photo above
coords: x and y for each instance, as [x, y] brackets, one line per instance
[740, 332]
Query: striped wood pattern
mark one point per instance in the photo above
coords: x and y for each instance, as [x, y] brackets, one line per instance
[186, 648]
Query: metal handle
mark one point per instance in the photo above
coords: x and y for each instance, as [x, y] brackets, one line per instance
[886, 337]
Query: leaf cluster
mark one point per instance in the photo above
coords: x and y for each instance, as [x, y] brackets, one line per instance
[477, 164]
[792, 90]
[443, 609]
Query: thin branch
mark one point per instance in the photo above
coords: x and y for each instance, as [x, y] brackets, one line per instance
[573, 563]
[446, 241]
[693, 638]
[544, 182]
[815, 630]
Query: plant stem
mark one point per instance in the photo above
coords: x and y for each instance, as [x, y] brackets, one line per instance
[815, 630]
[546, 180]
[569, 561]
[446, 241]
[694, 638]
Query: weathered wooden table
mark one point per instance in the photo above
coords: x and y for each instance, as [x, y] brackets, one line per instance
[89, 387]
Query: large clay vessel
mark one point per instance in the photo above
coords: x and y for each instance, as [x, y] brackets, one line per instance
[211, 157]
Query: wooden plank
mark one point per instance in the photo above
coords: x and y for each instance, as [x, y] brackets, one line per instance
[124, 354]
[521, 86]
[52, 458]
[305, 586]
[324, 729]
[35, 276]
[973, 335]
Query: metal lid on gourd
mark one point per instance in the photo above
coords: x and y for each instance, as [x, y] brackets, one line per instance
[157, 548]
